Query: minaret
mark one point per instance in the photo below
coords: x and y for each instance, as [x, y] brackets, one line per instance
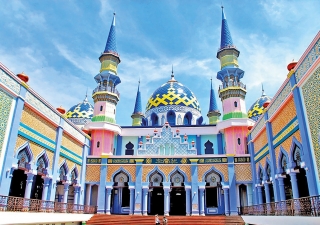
[232, 92]
[103, 127]
[213, 113]
[137, 114]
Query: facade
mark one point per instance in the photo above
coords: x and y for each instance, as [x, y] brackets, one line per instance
[167, 162]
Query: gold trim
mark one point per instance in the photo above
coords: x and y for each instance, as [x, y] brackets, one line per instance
[139, 160]
[194, 160]
[104, 156]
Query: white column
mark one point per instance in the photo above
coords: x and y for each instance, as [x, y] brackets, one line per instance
[88, 194]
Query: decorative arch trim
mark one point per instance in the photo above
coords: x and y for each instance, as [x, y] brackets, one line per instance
[45, 157]
[155, 169]
[260, 169]
[121, 169]
[27, 148]
[281, 153]
[75, 169]
[65, 166]
[295, 143]
[177, 169]
[213, 169]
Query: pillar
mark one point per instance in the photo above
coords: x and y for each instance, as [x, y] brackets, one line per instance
[82, 177]
[108, 199]
[281, 189]
[132, 199]
[145, 201]
[201, 200]
[28, 185]
[138, 187]
[46, 182]
[232, 187]
[65, 192]
[188, 198]
[294, 184]
[194, 187]
[102, 185]
[249, 194]
[226, 201]
[267, 192]
[88, 194]
[76, 194]
[5, 179]
[166, 200]
[259, 188]
[253, 170]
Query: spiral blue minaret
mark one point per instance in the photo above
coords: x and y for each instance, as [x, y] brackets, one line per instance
[137, 114]
[213, 113]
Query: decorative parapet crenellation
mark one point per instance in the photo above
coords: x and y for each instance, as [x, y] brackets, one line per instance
[279, 99]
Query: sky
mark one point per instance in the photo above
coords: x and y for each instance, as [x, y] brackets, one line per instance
[57, 44]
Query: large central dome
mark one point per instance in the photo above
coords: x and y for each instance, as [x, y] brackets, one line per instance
[173, 93]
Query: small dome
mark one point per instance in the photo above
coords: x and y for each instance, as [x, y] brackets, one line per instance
[81, 113]
[257, 108]
[173, 93]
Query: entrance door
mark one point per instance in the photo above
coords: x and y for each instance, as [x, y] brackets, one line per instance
[177, 201]
[37, 187]
[157, 201]
[18, 184]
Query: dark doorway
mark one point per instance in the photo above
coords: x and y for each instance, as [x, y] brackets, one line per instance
[178, 201]
[37, 187]
[157, 201]
[287, 187]
[302, 183]
[18, 183]
[263, 194]
[211, 197]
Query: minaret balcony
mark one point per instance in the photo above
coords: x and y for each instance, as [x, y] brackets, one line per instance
[231, 84]
[109, 89]
[232, 89]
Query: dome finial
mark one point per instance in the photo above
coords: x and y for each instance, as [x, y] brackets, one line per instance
[262, 90]
[172, 74]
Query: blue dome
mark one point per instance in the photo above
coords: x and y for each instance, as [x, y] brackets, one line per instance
[173, 93]
[257, 108]
[81, 113]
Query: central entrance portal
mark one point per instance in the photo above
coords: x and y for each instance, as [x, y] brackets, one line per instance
[157, 201]
[178, 201]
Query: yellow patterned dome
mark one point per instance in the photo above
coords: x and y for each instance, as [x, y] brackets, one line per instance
[257, 108]
[173, 93]
[81, 113]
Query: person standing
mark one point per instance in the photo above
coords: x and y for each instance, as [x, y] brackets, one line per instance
[165, 220]
[156, 220]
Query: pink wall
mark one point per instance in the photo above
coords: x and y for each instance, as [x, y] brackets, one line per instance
[106, 142]
[231, 135]
[228, 105]
[97, 111]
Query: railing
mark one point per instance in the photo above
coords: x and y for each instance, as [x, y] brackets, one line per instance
[17, 204]
[308, 206]
[106, 88]
[232, 84]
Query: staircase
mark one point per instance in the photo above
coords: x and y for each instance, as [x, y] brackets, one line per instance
[102, 219]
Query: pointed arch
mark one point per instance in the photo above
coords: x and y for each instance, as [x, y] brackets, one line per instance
[295, 145]
[282, 154]
[177, 169]
[43, 155]
[267, 169]
[74, 173]
[155, 169]
[118, 171]
[213, 170]
[27, 151]
[260, 174]
[63, 171]
[187, 118]
[154, 119]
[171, 117]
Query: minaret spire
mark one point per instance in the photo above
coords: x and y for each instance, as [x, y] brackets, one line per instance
[111, 45]
[137, 114]
[214, 112]
[226, 39]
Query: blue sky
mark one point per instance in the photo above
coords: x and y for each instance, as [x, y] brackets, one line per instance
[58, 43]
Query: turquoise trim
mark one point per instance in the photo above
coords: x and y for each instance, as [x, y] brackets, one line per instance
[37, 133]
[285, 137]
[71, 152]
[36, 141]
[285, 127]
[267, 152]
[71, 159]
[261, 150]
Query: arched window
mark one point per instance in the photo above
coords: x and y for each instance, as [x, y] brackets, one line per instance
[297, 156]
[208, 149]
[187, 119]
[284, 163]
[98, 144]
[235, 104]
[239, 141]
[129, 148]
[101, 108]
[171, 117]
[154, 119]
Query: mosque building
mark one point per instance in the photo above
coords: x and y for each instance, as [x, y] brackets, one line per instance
[168, 161]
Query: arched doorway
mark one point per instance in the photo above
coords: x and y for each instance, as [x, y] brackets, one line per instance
[286, 180]
[37, 185]
[60, 184]
[301, 176]
[213, 199]
[243, 195]
[262, 186]
[19, 178]
[156, 194]
[120, 195]
[268, 173]
[187, 118]
[177, 195]
[154, 119]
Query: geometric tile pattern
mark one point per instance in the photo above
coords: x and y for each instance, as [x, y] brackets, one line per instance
[45, 110]
[75, 133]
[261, 141]
[311, 96]
[257, 127]
[187, 170]
[72, 145]
[223, 168]
[166, 144]
[34, 121]
[313, 54]
[93, 173]
[166, 170]
[262, 162]
[173, 93]
[287, 113]
[145, 170]
[5, 106]
[9, 82]
[243, 172]
[279, 99]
